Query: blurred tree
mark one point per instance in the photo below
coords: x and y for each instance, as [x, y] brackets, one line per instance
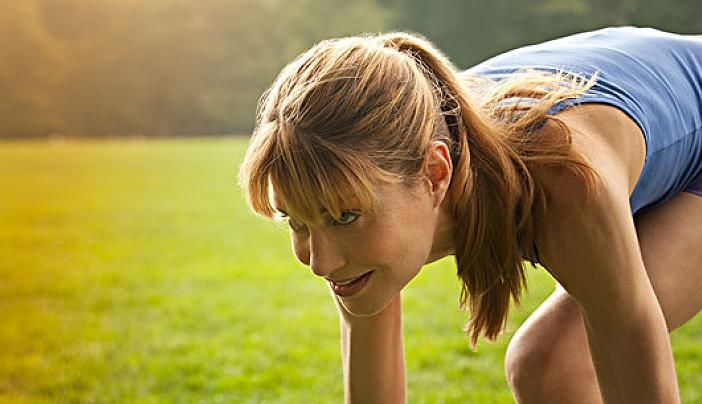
[682, 16]
[471, 31]
[33, 65]
[182, 67]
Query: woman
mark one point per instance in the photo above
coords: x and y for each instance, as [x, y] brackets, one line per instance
[573, 153]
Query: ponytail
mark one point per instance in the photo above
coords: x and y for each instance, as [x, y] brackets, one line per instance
[493, 194]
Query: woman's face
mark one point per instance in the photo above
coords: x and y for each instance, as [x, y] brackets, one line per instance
[410, 229]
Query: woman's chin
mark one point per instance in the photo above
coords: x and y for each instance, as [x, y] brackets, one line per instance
[375, 299]
[365, 307]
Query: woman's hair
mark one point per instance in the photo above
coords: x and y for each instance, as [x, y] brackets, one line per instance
[351, 113]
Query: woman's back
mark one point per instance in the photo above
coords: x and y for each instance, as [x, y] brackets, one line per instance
[653, 76]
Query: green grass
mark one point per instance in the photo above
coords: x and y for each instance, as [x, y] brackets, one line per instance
[134, 272]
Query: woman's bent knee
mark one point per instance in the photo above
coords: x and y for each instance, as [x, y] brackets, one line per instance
[548, 358]
[527, 369]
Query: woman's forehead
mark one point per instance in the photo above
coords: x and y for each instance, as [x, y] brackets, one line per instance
[344, 202]
[384, 193]
[278, 204]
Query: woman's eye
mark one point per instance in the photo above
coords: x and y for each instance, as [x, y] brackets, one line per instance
[347, 218]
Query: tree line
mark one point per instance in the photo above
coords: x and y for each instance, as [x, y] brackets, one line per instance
[181, 67]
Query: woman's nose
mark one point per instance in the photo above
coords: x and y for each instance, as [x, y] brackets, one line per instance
[321, 254]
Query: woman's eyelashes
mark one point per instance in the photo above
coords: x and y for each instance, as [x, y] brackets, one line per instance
[294, 224]
[347, 217]
[290, 222]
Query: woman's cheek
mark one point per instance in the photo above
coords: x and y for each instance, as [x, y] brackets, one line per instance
[377, 250]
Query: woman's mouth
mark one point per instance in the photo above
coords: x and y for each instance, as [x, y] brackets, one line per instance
[351, 287]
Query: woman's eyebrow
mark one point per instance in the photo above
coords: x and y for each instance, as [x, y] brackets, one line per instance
[324, 211]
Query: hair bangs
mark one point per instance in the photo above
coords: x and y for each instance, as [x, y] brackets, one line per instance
[254, 171]
[312, 177]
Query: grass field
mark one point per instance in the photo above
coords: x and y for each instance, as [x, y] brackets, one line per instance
[133, 272]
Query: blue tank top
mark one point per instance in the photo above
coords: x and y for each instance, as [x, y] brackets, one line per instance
[655, 77]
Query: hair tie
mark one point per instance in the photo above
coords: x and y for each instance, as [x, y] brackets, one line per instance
[452, 124]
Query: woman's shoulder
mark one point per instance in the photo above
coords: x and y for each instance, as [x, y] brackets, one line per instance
[608, 139]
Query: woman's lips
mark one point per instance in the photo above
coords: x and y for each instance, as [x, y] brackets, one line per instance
[352, 288]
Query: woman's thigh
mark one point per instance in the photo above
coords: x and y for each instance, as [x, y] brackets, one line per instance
[670, 238]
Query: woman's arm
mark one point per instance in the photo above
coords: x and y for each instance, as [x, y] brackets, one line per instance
[373, 355]
[593, 251]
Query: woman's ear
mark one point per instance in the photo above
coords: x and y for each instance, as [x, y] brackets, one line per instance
[438, 170]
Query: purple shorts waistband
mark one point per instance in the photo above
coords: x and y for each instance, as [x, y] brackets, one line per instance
[695, 187]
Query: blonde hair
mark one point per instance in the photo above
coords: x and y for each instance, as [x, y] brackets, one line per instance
[354, 112]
